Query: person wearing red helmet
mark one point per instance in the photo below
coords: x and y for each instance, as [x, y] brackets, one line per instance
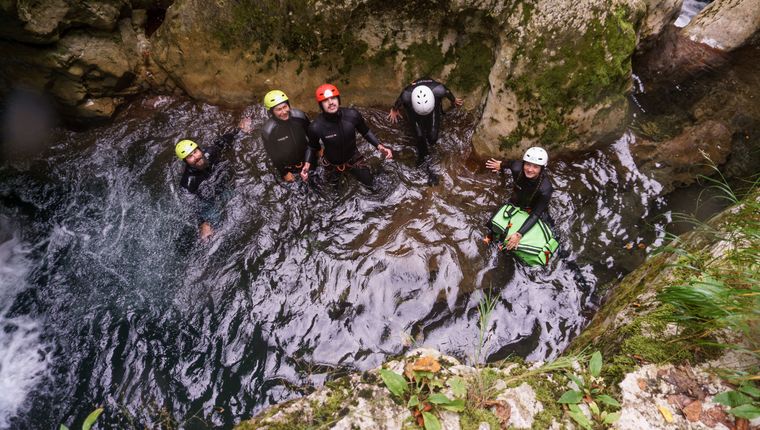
[336, 129]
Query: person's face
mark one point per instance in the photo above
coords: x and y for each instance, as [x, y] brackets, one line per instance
[531, 170]
[281, 111]
[331, 104]
[196, 159]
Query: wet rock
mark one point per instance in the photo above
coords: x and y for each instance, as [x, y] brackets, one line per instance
[725, 24]
[44, 22]
[679, 160]
[660, 14]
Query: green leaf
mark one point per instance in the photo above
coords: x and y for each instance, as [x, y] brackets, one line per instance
[420, 374]
[90, 420]
[611, 418]
[581, 419]
[436, 383]
[750, 389]
[458, 386]
[578, 381]
[571, 396]
[439, 399]
[413, 401]
[607, 400]
[595, 364]
[454, 406]
[732, 399]
[574, 408]
[396, 383]
[431, 422]
[594, 408]
[63, 427]
[749, 412]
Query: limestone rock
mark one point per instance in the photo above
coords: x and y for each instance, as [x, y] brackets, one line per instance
[554, 83]
[524, 405]
[44, 21]
[725, 24]
[660, 13]
[679, 160]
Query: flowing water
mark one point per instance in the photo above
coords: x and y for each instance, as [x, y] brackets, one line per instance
[109, 299]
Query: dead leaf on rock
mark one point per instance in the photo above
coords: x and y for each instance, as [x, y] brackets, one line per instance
[742, 424]
[643, 384]
[426, 364]
[502, 410]
[683, 379]
[666, 413]
[693, 410]
[715, 415]
[679, 400]
[422, 364]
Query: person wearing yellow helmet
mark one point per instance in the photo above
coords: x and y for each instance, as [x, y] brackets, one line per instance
[284, 135]
[203, 178]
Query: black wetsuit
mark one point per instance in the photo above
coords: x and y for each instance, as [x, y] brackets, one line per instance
[208, 184]
[286, 142]
[337, 132]
[425, 127]
[528, 194]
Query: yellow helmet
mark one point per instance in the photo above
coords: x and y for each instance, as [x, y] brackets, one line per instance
[273, 98]
[184, 148]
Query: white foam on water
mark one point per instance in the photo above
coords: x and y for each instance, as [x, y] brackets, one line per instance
[24, 358]
[689, 9]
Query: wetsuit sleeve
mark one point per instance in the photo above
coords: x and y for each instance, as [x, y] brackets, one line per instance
[361, 127]
[448, 94]
[542, 202]
[506, 165]
[312, 147]
[400, 100]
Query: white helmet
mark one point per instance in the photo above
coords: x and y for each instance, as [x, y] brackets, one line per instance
[536, 155]
[423, 100]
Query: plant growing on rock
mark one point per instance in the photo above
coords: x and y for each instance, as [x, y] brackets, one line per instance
[420, 390]
[590, 391]
[744, 401]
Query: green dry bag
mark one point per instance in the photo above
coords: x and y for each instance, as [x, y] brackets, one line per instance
[535, 247]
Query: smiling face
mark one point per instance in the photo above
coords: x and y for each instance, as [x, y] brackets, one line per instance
[281, 111]
[531, 170]
[196, 159]
[330, 105]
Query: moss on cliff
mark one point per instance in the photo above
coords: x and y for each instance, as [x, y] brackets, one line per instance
[473, 64]
[423, 59]
[567, 70]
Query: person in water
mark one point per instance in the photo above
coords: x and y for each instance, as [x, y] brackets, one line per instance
[204, 176]
[336, 129]
[423, 102]
[532, 188]
[285, 136]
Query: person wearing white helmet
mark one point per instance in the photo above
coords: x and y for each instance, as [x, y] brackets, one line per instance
[423, 102]
[532, 187]
[203, 178]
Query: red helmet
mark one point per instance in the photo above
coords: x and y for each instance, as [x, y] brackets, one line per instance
[325, 91]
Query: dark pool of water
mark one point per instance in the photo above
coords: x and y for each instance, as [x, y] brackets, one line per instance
[124, 308]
